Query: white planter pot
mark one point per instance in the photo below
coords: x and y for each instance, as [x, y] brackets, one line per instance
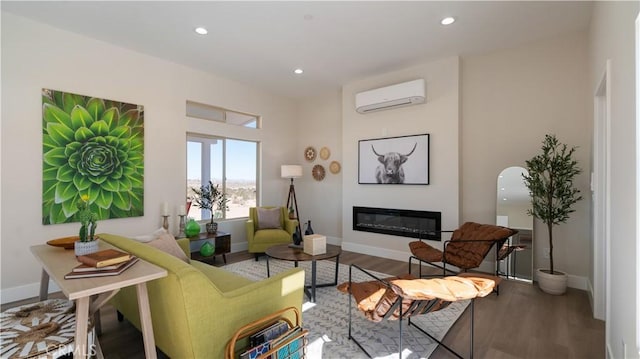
[555, 283]
[82, 248]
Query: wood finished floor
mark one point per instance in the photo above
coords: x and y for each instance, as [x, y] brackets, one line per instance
[522, 322]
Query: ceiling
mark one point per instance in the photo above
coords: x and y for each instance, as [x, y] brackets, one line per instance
[261, 43]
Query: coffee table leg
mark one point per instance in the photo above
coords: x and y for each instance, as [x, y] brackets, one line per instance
[268, 272]
[313, 281]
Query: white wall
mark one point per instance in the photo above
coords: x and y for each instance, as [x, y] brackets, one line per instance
[612, 37]
[510, 100]
[439, 117]
[320, 123]
[36, 56]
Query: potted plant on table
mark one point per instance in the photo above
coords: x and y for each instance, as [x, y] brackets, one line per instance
[214, 200]
[88, 242]
[553, 194]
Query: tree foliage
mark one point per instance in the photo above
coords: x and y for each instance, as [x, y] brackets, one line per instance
[550, 184]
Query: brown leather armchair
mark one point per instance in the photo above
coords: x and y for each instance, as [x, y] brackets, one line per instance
[466, 249]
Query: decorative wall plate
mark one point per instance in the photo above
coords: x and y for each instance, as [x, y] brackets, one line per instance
[310, 153]
[318, 172]
[325, 153]
[334, 167]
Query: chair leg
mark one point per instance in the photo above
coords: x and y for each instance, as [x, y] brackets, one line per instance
[257, 255]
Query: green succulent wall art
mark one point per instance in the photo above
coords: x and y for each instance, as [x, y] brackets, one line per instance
[94, 148]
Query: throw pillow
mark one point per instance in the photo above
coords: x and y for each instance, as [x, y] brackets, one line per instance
[144, 238]
[166, 242]
[269, 218]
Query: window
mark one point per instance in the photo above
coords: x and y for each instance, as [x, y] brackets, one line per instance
[229, 163]
[212, 113]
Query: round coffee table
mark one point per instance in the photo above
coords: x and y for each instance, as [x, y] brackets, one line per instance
[295, 255]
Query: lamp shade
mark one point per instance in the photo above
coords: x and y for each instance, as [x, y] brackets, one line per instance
[290, 171]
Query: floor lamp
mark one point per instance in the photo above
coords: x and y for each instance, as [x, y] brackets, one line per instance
[291, 172]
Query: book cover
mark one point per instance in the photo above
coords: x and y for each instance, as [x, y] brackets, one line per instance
[104, 258]
[87, 268]
[271, 332]
[256, 352]
[101, 273]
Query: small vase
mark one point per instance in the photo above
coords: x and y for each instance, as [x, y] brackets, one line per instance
[83, 248]
[192, 228]
[212, 227]
[309, 230]
[207, 249]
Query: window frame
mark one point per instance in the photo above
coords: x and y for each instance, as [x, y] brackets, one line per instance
[206, 142]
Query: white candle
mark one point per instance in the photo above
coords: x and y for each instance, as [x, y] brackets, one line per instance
[165, 209]
[182, 211]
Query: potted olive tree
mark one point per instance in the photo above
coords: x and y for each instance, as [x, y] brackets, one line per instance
[214, 200]
[553, 194]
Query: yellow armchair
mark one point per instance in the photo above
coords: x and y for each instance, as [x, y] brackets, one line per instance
[261, 239]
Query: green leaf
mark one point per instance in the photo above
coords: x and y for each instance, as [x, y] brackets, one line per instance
[125, 184]
[129, 118]
[80, 117]
[49, 172]
[60, 133]
[48, 143]
[81, 182]
[53, 114]
[100, 128]
[121, 132]
[49, 191]
[57, 97]
[111, 185]
[136, 145]
[110, 117]
[122, 200]
[72, 148]
[65, 191]
[71, 101]
[103, 213]
[55, 157]
[104, 199]
[136, 181]
[137, 200]
[95, 106]
[83, 134]
[56, 214]
[70, 207]
[65, 173]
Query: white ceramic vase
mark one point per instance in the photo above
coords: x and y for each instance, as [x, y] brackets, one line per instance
[82, 248]
[555, 283]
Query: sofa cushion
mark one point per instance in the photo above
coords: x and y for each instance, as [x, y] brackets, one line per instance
[166, 242]
[224, 280]
[269, 218]
[144, 238]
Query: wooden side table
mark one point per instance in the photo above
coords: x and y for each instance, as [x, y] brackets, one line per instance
[222, 243]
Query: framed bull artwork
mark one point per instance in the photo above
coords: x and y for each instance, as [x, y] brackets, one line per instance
[394, 160]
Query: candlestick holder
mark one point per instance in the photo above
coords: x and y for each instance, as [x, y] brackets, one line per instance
[181, 234]
[165, 222]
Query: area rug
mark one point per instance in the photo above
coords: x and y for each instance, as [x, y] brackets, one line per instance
[327, 320]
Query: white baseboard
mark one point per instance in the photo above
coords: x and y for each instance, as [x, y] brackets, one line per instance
[25, 291]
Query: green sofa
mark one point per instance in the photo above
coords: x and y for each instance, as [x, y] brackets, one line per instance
[197, 308]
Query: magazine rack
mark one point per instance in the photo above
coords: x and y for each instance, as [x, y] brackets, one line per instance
[275, 352]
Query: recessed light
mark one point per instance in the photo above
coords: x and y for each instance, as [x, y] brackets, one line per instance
[504, 199]
[447, 20]
[201, 30]
[298, 71]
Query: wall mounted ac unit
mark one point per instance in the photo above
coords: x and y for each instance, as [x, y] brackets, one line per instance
[394, 96]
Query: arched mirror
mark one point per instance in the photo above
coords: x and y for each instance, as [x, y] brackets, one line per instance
[513, 202]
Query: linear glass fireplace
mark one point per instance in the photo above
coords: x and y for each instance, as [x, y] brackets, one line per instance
[398, 222]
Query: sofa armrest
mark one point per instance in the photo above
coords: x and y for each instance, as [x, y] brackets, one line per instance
[250, 230]
[184, 245]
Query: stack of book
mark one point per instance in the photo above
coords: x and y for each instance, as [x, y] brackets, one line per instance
[108, 262]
